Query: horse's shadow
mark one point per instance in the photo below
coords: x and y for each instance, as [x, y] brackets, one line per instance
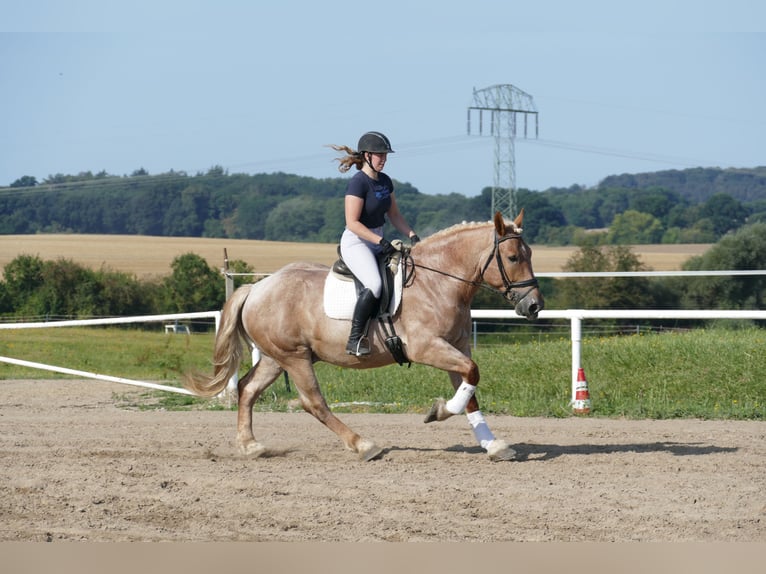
[543, 452]
[551, 451]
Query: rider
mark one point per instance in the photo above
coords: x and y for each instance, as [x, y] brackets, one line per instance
[369, 198]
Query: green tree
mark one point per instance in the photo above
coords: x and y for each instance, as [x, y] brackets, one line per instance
[23, 276]
[656, 201]
[604, 292]
[743, 250]
[701, 231]
[633, 227]
[122, 294]
[725, 213]
[297, 219]
[193, 286]
[25, 181]
[240, 266]
[539, 215]
[249, 219]
[186, 215]
[58, 288]
[610, 203]
[33, 287]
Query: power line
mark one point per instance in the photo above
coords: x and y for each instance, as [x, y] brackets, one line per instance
[614, 152]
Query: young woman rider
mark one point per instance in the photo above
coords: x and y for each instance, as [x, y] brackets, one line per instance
[369, 199]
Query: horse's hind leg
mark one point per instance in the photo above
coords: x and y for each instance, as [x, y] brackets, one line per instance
[250, 388]
[314, 403]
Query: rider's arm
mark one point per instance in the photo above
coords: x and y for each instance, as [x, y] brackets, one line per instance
[397, 219]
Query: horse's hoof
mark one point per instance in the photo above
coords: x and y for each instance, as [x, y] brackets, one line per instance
[368, 451]
[252, 449]
[438, 412]
[499, 450]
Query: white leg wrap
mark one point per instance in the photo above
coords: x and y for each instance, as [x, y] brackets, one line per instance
[463, 394]
[480, 428]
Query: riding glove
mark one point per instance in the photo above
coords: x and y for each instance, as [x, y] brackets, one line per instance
[386, 248]
[414, 239]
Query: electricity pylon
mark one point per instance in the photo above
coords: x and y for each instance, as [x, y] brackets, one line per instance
[504, 103]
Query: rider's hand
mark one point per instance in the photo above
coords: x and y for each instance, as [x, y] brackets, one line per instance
[386, 248]
[414, 239]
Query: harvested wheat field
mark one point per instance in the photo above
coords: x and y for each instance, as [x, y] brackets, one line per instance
[151, 256]
[147, 256]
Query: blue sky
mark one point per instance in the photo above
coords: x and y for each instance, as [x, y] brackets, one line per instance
[263, 86]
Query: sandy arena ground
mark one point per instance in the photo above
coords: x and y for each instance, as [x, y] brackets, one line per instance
[75, 466]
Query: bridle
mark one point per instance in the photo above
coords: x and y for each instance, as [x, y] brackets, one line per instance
[509, 294]
[509, 285]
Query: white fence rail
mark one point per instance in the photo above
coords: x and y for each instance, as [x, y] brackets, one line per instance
[577, 316]
[107, 321]
[116, 320]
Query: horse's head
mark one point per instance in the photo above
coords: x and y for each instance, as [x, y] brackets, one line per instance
[513, 269]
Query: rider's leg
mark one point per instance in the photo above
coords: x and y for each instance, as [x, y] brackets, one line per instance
[360, 258]
[366, 305]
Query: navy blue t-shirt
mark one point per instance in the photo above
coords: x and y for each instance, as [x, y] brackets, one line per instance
[376, 195]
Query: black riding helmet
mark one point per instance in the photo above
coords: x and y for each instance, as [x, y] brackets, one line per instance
[374, 142]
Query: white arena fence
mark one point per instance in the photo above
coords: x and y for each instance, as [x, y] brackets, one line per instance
[575, 316]
[174, 317]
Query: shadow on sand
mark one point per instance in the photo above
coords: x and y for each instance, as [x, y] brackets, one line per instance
[542, 452]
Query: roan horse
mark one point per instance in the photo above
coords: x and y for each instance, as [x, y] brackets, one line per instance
[282, 316]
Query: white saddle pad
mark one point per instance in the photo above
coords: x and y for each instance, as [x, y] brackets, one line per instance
[340, 296]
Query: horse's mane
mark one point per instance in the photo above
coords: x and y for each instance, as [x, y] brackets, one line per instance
[466, 225]
[458, 227]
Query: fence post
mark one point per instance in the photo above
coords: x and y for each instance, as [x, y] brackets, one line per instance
[228, 279]
[576, 352]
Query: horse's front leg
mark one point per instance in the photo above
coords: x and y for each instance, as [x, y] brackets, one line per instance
[465, 399]
[464, 374]
[496, 448]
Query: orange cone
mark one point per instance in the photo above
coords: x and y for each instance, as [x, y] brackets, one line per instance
[581, 403]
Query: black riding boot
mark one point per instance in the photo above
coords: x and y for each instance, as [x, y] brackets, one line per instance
[366, 304]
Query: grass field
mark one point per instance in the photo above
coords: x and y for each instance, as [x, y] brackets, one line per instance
[704, 373]
[147, 256]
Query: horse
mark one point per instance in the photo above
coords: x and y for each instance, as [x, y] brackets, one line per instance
[282, 319]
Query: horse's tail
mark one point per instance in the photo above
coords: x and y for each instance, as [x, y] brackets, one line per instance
[228, 349]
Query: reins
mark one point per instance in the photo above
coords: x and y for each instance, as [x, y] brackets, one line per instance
[507, 283]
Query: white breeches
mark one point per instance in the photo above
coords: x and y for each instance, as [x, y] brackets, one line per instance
[359, 256]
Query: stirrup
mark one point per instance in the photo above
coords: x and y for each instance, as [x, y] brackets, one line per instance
[360, 348]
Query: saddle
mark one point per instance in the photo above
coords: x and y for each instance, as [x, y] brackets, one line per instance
[388, 268]
[390, 272]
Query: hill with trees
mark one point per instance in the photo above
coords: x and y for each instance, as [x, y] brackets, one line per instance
[698, 205]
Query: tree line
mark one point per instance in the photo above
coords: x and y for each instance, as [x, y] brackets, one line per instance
[35, 289]
[689, 206]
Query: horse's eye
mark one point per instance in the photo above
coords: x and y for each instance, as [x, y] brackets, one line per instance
[513, 258]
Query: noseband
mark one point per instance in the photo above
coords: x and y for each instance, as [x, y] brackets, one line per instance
[509, 285]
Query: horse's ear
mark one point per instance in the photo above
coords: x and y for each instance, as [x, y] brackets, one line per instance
[519, 219]
[499, 224]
